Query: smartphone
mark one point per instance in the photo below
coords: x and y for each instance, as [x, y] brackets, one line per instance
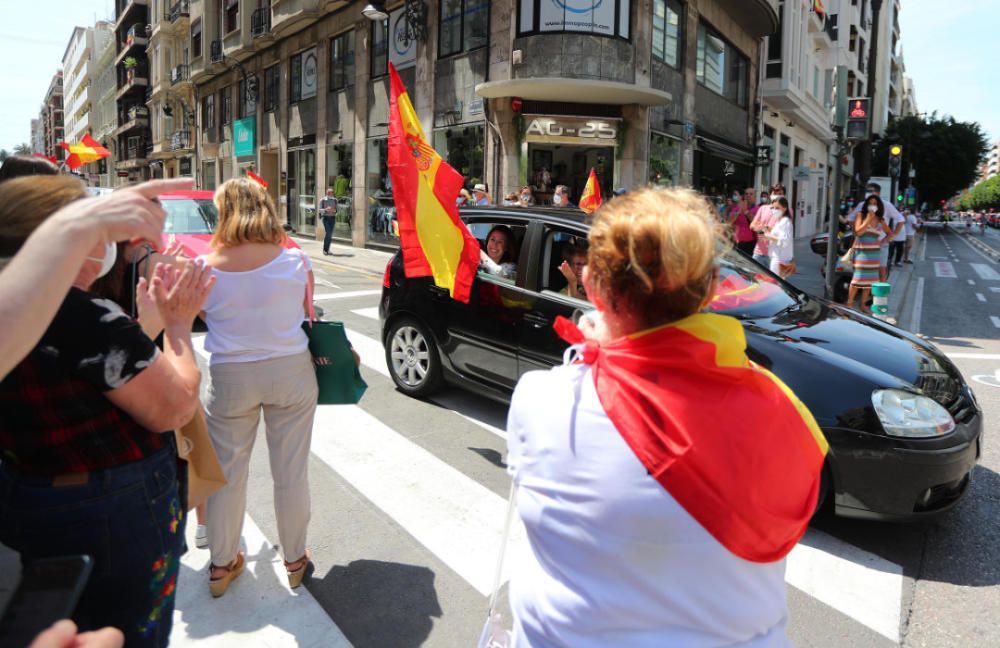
[50, 589]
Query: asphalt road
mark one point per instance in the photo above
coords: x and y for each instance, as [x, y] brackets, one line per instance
[408, 499]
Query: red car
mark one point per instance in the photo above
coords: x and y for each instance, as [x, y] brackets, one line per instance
[191, 219]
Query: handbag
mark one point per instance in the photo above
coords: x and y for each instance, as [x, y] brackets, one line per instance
[787, 269]
[848, 258]
[494, 634]
[205, 474]
[337, 374]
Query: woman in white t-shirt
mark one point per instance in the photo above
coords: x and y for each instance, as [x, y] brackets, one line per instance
[260, 362]
[781, 241]
[654, 517]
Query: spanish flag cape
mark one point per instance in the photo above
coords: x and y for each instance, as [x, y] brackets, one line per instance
[434, 240]
[87, 151]
[726, 438]
[590, 199]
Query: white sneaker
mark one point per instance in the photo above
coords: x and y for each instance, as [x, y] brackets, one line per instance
[201, 537]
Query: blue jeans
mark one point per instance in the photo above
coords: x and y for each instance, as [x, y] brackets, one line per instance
[328, 222]
[762, 259]
[129, 519]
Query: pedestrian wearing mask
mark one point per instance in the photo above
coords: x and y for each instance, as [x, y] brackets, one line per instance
[89, 464]
[891, 216]
[869, 224]
[741, 216]
[762, 222]
[260, 363]
[632, 483]
[781, 244]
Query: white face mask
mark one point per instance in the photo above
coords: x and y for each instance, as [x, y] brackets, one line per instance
[108, 260]
[873, 208]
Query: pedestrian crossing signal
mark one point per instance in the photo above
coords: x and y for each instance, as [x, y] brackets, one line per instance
[858, 118]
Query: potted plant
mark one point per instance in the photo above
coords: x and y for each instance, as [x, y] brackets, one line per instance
[130, 64]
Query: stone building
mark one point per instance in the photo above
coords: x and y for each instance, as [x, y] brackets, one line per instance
[82, 65]
[51, 117]
[171, 101]
[510, 92]
[133, 137]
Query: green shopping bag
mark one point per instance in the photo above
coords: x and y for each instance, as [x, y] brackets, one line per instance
[337, 374]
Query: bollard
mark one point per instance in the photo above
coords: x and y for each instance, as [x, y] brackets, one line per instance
[880, 299]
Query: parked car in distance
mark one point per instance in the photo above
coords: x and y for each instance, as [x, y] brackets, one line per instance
[903, 425]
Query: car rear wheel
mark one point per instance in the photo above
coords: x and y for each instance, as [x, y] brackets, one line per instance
[412, 358]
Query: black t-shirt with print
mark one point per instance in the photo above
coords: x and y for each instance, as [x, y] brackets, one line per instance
[56, 418]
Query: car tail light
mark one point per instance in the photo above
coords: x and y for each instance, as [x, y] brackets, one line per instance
[385, 275]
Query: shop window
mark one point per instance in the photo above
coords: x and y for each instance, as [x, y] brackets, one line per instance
[664, 160]
[464, 26]
[381, 223]
[247, 107]
[226, 105]
[231, 16]
[208, 110]
[606, 18]
[462, 148]
[295, 78]
[380, 48]
[667, 31]
[196, 38]
[339, 168]
[342, 61]
[271, 76]
[208, 175]
[721, 67]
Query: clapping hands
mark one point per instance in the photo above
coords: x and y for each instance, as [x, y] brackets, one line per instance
[179, 291]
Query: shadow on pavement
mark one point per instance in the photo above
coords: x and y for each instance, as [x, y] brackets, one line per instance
[491, 456]
[959, 547]
[376, 603]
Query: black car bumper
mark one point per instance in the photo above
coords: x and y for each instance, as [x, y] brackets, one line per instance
[876, 478]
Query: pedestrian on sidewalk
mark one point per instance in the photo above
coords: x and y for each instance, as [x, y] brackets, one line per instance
[780, 240]
[631, 480]
[912, 225]
[891, 216]
[763, 221]
[898, 241]
[328, 212]
[741, 215]
[868, 225]
[89, 464]
[260, 363]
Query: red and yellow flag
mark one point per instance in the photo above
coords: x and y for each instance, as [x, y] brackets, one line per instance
[725, 437]
[256, 178]
[87, 151]
[590, 199]
[434, 240]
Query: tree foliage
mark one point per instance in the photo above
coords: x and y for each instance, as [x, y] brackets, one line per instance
[946, 154]
[985, 195]
[4, 154]
[22, 149]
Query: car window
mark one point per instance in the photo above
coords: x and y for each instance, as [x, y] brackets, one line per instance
[189, 216]
[562, 245]
[508, 266]
[747, 290]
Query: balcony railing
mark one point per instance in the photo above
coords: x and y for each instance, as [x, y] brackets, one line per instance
[179, 10]
[260, 21]
[215, 52]
[179, 73]
[136, 31]
[180, 140]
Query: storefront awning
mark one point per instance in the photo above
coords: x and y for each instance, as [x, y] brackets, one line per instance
[578, 90]
[725, 151]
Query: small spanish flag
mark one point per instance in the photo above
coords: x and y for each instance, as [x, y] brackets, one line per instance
[256, 178]
[590, 199]
[87, 151]
[434, 240]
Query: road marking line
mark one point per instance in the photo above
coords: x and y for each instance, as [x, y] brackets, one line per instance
[981, 297]
[944, 270]
[978, 251]
[918, 307]
[985, 272]
[975, 356]
[972, 282]
[328, 284]
[995, 320]
[995, 289]
[371, 313]
[346, 295]
[455, 517]
[254, 603]
[938, 257]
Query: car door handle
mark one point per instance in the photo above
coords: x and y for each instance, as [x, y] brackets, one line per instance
[537, 320]
[440, 293]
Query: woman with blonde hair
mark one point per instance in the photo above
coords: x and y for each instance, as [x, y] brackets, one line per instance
[260, 363]
[87, 457]
[654, 516]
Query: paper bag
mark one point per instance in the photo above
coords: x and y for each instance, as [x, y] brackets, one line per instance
[204, 471]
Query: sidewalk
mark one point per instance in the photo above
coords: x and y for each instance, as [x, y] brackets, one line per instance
[364, 260]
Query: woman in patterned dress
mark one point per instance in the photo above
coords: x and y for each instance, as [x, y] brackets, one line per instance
[867, 224]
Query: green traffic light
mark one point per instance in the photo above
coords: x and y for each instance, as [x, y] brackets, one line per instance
[899, 198]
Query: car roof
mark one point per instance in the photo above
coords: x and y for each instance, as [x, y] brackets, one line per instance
[557, 215]
[197, 194]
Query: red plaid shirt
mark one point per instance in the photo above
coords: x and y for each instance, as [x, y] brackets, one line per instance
[56, 418]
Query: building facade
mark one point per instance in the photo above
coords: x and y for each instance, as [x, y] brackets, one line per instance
[37, 136]
[510, 92]
[171, 102]
[132, 79]
[80, 70]
[887, 93]
[53, 125]
[104, 106]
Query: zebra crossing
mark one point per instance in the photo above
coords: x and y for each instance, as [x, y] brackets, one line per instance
[408, 503]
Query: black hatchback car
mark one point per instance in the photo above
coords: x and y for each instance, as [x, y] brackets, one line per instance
[903, 425]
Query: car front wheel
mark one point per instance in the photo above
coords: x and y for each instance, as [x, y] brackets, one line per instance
[412, 357]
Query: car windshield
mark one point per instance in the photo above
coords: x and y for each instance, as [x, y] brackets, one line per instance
[748, 291]
[189, 216]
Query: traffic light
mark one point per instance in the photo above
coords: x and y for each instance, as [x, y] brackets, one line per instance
[859, 123]
[895, 160]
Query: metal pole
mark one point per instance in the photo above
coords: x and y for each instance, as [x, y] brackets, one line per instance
[833, 242]
[892, 193]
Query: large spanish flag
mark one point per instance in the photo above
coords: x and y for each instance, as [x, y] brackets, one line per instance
[725, 437]
[87, 151]
[590, 199]
[434, 240]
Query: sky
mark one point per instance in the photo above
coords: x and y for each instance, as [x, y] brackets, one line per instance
[947, 51]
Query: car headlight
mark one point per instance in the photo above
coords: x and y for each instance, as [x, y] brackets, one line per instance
[905, 414]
